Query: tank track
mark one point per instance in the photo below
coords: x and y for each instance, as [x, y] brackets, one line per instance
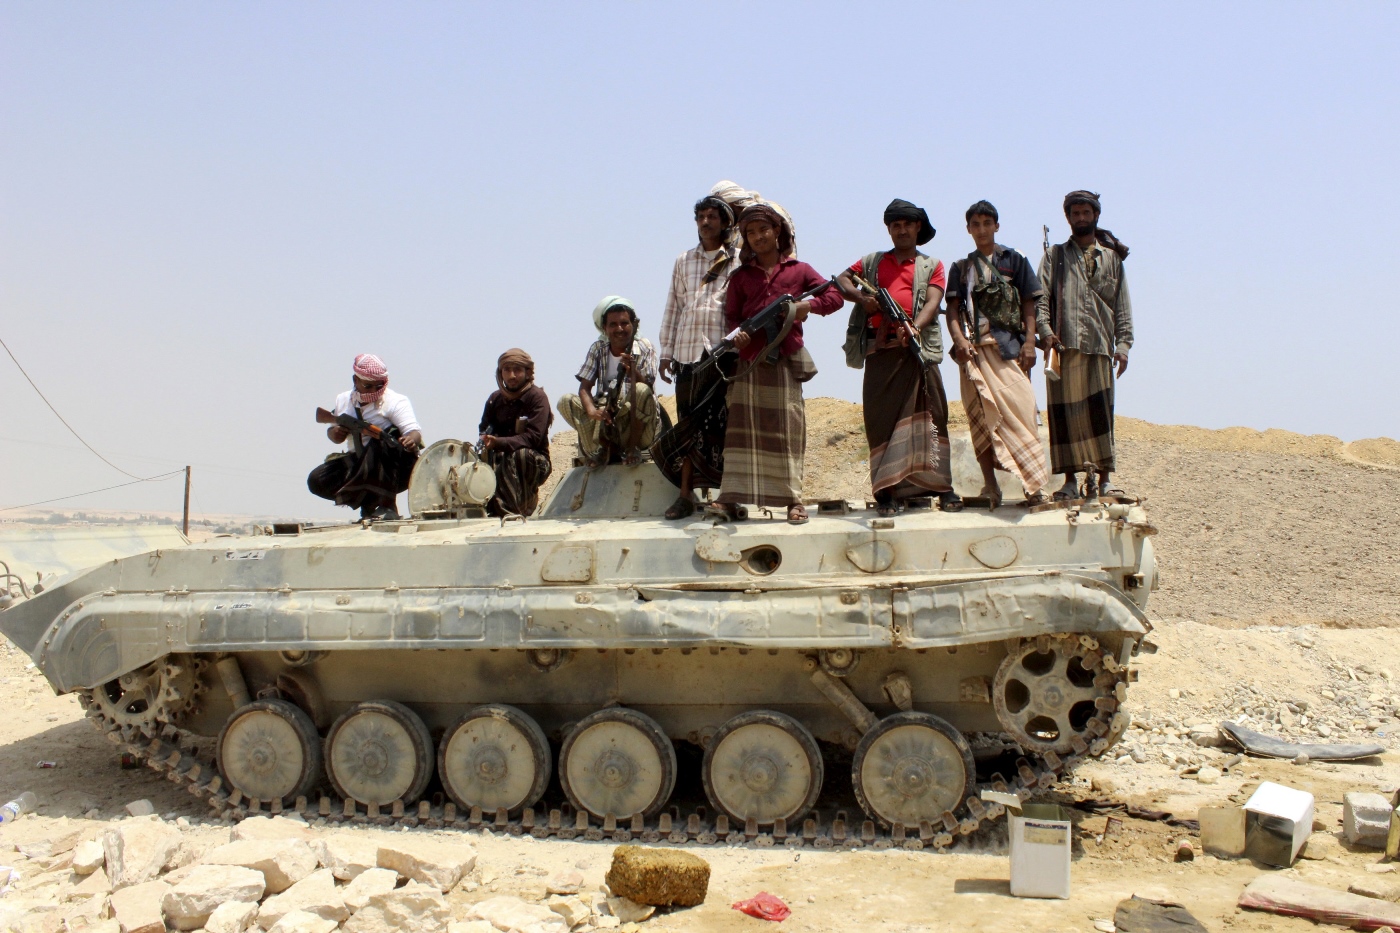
[164, 754]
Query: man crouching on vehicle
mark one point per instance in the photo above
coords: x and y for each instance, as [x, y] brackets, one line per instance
[373, 470]
[615, 411]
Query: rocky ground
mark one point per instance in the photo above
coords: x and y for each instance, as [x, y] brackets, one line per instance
[1277, 611]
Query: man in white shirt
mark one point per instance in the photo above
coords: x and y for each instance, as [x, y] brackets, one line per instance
[371, 472]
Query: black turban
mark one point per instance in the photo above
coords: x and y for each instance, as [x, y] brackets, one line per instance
[1090, 198]
[901, 209]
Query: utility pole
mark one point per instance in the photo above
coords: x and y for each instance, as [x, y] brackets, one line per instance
[187, 502]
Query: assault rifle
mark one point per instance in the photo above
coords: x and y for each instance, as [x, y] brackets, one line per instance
[770, 321]
[892, 310]
[357, 426]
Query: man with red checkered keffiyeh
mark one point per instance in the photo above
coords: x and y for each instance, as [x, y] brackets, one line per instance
[371, 472]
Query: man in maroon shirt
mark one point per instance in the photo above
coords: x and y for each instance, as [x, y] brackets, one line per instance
[906, 410]
[765, 440]
[515, 435]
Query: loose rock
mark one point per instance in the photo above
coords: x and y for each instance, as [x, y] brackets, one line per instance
[629, 911]
[470, 926]
[316, 893]
[95, 884]
[571, 907]
[136, 850]
[137, 907]
[367, 884]
[299, 921]
[346, 854]
[416, 907]
[233, 917]
[511, 913]
[188, 905]
[272, 827]
[140, 808]
[440, 864]
[283, 862]
[1366, 819]
[1377, 887]
[53, 845]
[658, 877]
[1208, 774]
[566, 882]
[88, 857]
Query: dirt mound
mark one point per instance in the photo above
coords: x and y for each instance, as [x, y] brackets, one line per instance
[1379, 451]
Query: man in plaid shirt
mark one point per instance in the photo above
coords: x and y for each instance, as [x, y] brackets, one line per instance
[691, 326]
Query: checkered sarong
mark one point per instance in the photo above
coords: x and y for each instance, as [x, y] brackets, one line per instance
[1080, 412]
[766, 437]
[1000, 405]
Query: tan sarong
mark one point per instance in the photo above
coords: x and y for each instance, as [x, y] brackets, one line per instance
[765, 439]
[1000, 404]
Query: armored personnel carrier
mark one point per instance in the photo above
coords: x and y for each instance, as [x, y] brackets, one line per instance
[538, 674]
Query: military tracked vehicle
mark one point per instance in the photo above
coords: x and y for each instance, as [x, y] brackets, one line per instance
[446, 668]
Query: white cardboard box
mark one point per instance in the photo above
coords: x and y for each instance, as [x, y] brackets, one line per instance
[1278, 821]
[1040, 851]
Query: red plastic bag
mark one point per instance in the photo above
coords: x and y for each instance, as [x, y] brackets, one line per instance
[764, 906]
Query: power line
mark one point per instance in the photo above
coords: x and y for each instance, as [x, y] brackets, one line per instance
[90, 492]
[31, 382]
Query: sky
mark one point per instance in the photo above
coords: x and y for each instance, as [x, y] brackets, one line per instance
[206, 210]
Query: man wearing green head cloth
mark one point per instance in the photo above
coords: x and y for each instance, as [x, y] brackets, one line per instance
[615, 410]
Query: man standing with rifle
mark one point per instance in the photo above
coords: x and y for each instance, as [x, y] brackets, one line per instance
[1085, 317]
[615, 410]
[900, 346]
[765, 440]
[384, 440]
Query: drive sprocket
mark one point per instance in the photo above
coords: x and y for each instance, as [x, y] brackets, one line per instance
[1057, 693]
[150, 696]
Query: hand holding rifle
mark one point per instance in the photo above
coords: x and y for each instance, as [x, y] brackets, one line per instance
[344, 426]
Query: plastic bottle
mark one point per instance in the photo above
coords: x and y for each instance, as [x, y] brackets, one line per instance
[20, 805]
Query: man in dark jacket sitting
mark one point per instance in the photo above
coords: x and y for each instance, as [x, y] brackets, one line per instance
[515, 435]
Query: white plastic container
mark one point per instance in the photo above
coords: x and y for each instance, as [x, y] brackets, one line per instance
[1278, 821]
[1040, 851]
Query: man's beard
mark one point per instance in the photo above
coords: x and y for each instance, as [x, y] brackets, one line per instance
[1083, 229]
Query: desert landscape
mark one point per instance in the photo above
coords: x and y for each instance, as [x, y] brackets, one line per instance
[1277, 610]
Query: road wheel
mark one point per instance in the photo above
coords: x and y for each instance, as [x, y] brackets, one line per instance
[494, 756]
[269, 750]
[379, 751]
[763, 765]
[912, 767]
[618, 762]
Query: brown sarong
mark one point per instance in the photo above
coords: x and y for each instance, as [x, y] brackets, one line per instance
[765, 439]
[906, 429]
[1000, 405]
[366, 479]
[1080, 412]
[519, 474]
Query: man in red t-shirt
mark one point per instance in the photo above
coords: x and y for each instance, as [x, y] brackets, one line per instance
[906, 410]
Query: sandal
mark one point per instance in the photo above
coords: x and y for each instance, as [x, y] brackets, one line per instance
[950, 501]
[683, 507]
[797, 514]
[1062, 495]
[993, 497]
[1036, 498]
[886, 509]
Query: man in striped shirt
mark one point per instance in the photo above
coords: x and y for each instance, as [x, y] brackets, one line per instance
[1085, 316]
[691, 326]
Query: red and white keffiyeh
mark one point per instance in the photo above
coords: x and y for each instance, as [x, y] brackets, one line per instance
[371, 368]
